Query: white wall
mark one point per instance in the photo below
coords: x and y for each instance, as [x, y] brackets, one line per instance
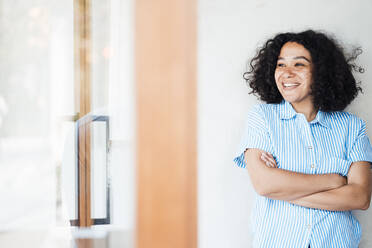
[229, 33]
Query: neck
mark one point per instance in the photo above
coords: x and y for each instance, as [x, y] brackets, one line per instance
[307, 109]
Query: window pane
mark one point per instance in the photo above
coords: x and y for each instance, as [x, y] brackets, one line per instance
[98, 169]
[36, 89]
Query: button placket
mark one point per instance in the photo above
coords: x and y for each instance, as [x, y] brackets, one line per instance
[310, 146]
[312, 163]
[311, 150]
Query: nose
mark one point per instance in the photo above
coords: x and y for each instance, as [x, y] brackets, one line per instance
[288, 72]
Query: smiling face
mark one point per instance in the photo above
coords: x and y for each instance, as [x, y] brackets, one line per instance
[293, 73]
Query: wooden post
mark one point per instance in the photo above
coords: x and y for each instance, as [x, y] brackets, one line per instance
[165, 58]
[82, 48]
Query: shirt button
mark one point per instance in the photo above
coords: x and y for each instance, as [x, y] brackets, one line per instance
[312, 166]
[308, 226]
[310, 147]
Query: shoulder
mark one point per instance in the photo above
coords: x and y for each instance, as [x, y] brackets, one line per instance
[346, 120]
[260, 114]
[264, 109]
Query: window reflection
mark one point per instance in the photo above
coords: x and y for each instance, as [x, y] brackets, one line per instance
[36, 88]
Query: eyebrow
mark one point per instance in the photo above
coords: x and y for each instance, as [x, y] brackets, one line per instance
[298, 57]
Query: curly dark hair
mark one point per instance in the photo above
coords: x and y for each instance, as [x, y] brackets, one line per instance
[334, 85]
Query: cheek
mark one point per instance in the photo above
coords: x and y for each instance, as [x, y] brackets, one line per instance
[309, 78]
[306, 76]
[276, 76]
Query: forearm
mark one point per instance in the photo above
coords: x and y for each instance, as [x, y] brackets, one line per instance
[288, 185]
[348, 197]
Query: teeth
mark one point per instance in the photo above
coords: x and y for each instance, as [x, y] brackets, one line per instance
[289, 85]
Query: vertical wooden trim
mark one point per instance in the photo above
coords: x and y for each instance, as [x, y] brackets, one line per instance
[77, 41]
[165, 51]
[84, 45]
[89, 221]
[84, 243]
[82, 182]
[82, 42]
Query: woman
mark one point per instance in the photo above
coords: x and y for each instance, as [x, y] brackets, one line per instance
[308, 160]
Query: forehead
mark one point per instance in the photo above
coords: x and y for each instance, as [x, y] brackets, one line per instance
[292, 50]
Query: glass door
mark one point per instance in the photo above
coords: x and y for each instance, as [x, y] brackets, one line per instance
[102, 157]
[67, 115]
[36, 90]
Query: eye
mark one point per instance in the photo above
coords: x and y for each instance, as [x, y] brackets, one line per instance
[280, 65]
[299, 64]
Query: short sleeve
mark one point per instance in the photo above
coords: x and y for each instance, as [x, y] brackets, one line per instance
[255, 135]
[361, 149]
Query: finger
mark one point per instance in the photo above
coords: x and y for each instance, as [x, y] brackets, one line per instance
[270, 158]
[263, 156]
[270, 164]
[265, 159]
[270, 155]
[267, 162]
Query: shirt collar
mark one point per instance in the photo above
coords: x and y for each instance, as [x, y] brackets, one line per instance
[287, 112]
[322, 119]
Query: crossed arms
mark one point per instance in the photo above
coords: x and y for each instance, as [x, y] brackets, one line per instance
[323, 191]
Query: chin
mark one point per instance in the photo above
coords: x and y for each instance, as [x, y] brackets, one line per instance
[290, 99]
[293, 98]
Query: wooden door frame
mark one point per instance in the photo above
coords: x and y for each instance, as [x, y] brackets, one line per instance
[84, 117]
[82, 78]
[165, 61]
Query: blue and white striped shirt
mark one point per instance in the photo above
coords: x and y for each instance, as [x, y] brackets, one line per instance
[328, 144]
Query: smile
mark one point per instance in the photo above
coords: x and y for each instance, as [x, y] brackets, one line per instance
[290, 85]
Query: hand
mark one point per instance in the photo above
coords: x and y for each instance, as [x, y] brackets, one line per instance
[268, 159]
[339, 181]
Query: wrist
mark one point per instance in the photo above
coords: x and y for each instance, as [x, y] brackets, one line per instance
[337, 181]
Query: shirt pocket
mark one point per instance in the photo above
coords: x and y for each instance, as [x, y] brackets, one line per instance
[334, 165]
